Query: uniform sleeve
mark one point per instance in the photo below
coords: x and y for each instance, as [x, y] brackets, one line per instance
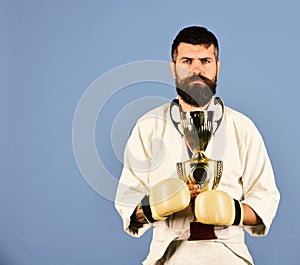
[133, 183]
[259, 187]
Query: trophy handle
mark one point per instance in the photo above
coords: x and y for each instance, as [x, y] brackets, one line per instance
[219, 171]
[218, 100]
[177, 124]
[175, 103]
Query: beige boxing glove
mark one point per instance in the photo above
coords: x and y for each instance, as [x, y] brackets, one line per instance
[216, 207]
[166, 197]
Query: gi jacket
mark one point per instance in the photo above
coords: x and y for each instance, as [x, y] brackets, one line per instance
[151, 154]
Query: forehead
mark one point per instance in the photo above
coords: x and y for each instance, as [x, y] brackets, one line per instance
[195, 51]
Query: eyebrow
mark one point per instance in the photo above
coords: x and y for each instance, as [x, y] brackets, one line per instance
[185, 57]
[191, 58]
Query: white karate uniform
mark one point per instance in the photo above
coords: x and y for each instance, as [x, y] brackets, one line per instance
[154, 148]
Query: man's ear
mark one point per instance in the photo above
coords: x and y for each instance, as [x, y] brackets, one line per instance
[172, 69]
[218, 67]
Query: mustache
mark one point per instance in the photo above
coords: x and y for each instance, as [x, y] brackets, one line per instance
[194, 77]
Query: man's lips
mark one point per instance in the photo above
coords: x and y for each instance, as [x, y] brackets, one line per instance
[197, 81]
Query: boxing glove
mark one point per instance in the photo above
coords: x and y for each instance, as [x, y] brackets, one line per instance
[166, 197]
[216, 207]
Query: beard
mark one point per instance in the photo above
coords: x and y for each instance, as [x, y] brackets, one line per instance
[196, 94]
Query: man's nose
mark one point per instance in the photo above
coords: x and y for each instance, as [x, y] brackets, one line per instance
[197, 67]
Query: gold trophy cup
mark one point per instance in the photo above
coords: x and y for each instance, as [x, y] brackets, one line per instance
[199, 169]
[197, 130]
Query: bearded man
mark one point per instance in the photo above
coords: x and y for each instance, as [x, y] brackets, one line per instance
[246, 197]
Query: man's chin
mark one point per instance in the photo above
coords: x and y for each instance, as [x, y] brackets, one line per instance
[194, 100]
[196, 104]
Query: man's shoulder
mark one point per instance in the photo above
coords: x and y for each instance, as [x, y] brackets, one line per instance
[156, 120]
[236, 115]
[242, 123]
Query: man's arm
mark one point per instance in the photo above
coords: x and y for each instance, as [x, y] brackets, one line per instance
[250, 217]
[137, 219]
[166, 197]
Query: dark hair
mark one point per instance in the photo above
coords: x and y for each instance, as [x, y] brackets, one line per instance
[197, 36]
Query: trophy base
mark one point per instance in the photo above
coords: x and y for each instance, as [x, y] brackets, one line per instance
[199, 231]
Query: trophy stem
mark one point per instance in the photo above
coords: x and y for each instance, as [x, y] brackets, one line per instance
[199, 155]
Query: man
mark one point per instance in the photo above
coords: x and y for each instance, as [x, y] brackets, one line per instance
[246, 195]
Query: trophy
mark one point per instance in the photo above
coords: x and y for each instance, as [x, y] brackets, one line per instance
[197, 130]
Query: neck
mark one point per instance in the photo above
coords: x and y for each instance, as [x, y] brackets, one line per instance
[187, 107]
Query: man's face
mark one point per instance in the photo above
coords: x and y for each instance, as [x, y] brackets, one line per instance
[195, 71]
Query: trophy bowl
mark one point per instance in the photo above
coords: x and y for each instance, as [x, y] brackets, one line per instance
[197, 130]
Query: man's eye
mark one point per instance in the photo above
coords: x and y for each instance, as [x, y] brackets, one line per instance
[204, 61]
[186, 61]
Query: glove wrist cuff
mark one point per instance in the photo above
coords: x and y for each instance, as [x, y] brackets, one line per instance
[147, 209]
[239, 213]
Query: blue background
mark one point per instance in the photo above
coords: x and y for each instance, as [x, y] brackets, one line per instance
[50, 53]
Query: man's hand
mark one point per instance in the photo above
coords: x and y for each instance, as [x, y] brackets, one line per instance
[166, 197]
[137, 220]
[139, 215]
[194, 190]
[215, 207]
